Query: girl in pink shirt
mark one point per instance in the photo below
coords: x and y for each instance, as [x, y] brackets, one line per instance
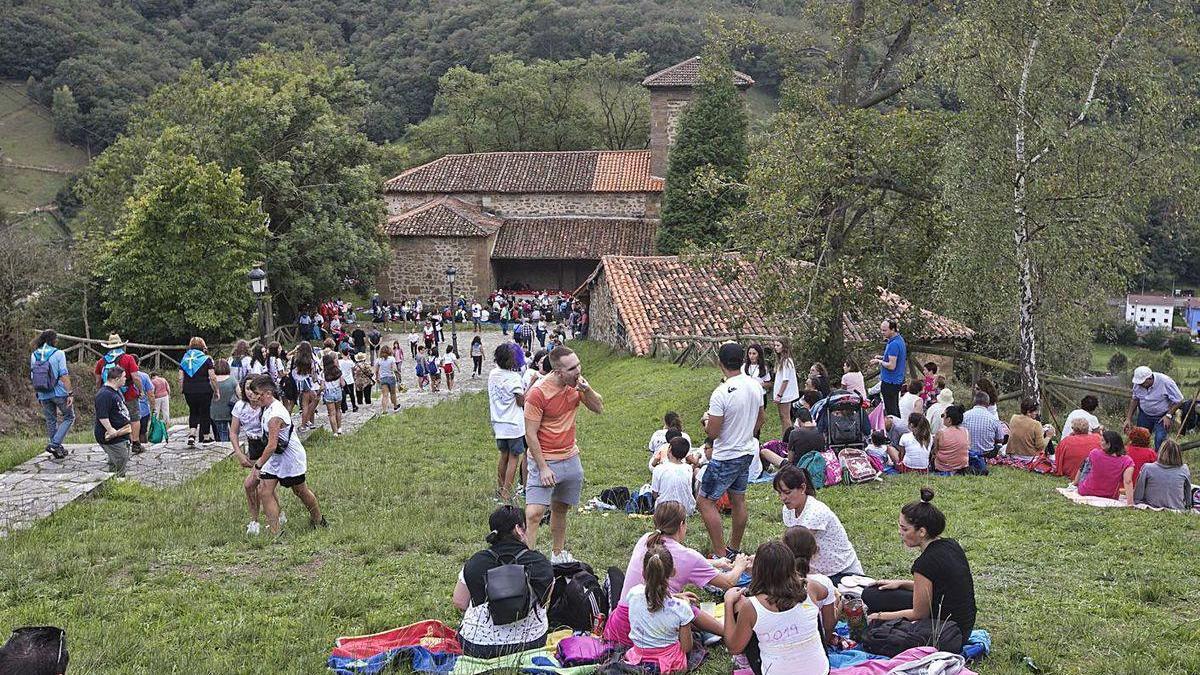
[162, 397]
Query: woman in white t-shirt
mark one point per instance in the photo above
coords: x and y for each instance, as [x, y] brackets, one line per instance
[836, 556]
[911, 401]
[755, 366]
[245, 422]
[283, 461]
[787, 387]
[915, 446]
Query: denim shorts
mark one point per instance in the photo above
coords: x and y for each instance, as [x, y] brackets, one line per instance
[385, 381]
[332, 396]
[513, 446]
[725, 475]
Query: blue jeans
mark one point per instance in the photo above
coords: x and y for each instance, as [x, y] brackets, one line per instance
[56, 431]
[221, 429]
[725, 475]
[1155, 425]
[504, 326]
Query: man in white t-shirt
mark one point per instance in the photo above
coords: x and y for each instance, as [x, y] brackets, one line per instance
[1087, 406]
[734, 417]
[506, 401]
[671, 480]
[476, 315]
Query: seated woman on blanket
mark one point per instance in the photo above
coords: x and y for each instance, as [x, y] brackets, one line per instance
[1073, 449]
[480, 637]
[835, 556]
[1166, 483]
[1108, 469]
[942, 586]
[688, 567]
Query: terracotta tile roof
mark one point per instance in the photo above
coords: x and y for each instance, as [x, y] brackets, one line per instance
[663, 295]
[687, 74]
[574, 238]
[443, 217]
[521, 172]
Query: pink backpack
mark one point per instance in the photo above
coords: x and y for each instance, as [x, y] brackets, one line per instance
[856, 466]
[833, 468]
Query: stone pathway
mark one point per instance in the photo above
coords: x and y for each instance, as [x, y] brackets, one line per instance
[43, 485]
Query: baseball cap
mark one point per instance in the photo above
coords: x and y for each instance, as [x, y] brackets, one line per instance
[731, 355]
[1141, 374]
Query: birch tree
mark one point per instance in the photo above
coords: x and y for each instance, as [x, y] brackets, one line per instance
[1069, 111]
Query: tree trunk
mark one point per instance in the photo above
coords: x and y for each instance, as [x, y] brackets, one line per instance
[1027, 331]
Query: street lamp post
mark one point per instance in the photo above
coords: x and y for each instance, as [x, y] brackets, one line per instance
[450, 272]
[258, 286]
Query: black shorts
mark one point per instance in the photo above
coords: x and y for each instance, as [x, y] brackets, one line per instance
[290, 481]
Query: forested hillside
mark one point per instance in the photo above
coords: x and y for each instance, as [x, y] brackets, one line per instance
[110, 55]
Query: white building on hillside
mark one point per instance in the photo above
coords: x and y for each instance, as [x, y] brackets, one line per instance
[1150, 311]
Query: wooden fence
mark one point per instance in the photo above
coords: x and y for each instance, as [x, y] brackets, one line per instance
[87, 350]
[698, 350]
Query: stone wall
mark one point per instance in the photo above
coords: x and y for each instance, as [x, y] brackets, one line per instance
[605, 324]
[666, 105]
[627, 204]
[418, 268]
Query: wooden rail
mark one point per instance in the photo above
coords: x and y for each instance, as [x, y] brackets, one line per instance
[88, 349]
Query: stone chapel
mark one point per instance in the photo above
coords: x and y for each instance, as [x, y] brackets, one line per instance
[532, 220]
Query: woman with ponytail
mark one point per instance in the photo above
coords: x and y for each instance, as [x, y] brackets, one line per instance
[942, 586]
[659, 623]
[479, 635]
[778, 610]
[688, 566]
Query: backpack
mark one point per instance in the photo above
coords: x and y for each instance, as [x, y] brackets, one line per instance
[108, 365]
[641, 502]
[889, 638]
[856, 466]
[833, 468]
[509, 595]
[614, 583]
[44, 380]
[617, 496]
[287, 387]
[581, 650]
[813, 463]
[158, 430]
[578, 600]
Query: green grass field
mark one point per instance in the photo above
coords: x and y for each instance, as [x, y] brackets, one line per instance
[1186, 369]
[27, 137]
[148, 581]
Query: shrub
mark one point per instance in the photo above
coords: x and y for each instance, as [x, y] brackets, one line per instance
[1156, 339]
[1181, 344]
[1163, 362]
[1126, 334]
[1118, 362]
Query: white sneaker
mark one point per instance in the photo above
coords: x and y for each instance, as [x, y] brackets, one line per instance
[282, 517]
[337, 433]
[253, 528]
[561, 557]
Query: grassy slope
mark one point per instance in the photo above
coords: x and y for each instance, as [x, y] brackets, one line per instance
[148, 581]
[1187, 368]
[27, 137]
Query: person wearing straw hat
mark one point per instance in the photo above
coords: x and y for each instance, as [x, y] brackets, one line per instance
[131, 390]
[1155, 399]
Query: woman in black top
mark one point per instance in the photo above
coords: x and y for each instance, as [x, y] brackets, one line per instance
[942, 586]
[479, 635]
[199, 387]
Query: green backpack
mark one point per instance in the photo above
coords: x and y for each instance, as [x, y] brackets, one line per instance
[158, 430]
[814, 464]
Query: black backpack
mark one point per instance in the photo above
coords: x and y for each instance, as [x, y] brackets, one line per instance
[889, 638]
[509, 595]
[578, 598]
[614, 583]
[616, 496]
[287, 387]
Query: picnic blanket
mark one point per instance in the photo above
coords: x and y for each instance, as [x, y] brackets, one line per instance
[884, 666]
[1071, 493]
[1039, 463]
[538, 661]
[432, 647]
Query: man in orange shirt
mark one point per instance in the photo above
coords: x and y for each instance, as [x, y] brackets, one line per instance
[555, 472]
